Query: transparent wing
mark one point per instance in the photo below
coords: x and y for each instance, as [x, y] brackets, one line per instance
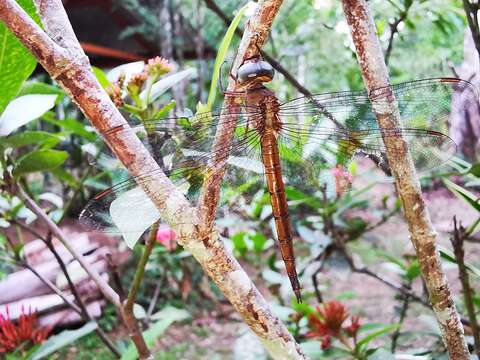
[346, 119]
[183, 150]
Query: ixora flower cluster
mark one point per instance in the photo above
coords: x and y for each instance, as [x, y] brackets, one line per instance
[328, 322]
[154, 69]
[22, 334]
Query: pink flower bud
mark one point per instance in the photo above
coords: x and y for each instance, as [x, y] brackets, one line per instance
[166, 237]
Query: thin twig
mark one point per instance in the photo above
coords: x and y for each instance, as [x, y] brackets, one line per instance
[403, 313]
[84, 311]
[127, 306]
[457, 240]
[106, 290]
[394, 29]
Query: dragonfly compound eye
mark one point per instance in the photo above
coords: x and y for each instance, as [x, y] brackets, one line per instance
[258, 71]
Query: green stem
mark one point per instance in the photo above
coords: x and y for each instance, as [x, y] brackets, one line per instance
[141, 266]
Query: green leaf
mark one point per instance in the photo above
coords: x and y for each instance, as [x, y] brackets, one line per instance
[222, 53]
[463, 194]
[31, 137]
[475, 170]
[16, 62]
[363, 342]
[101, 76]
[259, 241]
[413, 271]
[166, 317]
[160, 114]
[36, 87]
[239, 243]
[40, 160]
[66, 337]
[24, 109]
[72, 125]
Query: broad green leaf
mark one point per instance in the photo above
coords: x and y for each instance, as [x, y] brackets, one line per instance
[463, 194]
[165, 318]
[40, 160]
[66, 337]
[71, 125]
[31, 138]
[16, 62]
[166, 83]
[37, 87]
[24, 109]
[222, 53]
[101, 76]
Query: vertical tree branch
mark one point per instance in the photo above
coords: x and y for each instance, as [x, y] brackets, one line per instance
[423, 235]
[74, 74]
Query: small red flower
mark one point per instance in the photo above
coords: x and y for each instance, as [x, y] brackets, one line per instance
[352, 329]
[327, 322]
[326, 342]
[12, 336]
[166, 237]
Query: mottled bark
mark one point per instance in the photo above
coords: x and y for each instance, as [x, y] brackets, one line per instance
[70, 68]
[423, 235]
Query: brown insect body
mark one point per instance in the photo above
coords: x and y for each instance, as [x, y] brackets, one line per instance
[269, 125]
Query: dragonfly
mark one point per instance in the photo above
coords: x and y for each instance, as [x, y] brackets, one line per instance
[305, 143]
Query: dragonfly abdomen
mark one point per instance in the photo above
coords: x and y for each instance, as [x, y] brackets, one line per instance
[278, 199]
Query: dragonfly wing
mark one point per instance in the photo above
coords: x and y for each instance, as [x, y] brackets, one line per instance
[182, 148]
[327, 131]
[346, 119]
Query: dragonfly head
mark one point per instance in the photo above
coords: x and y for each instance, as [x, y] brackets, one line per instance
[255, 71]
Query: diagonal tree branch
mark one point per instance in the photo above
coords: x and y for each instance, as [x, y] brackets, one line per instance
[423, 235]
[74, 74]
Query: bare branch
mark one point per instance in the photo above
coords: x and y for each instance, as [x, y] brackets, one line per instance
[106, 290]
[423, 235]
[457, 239]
